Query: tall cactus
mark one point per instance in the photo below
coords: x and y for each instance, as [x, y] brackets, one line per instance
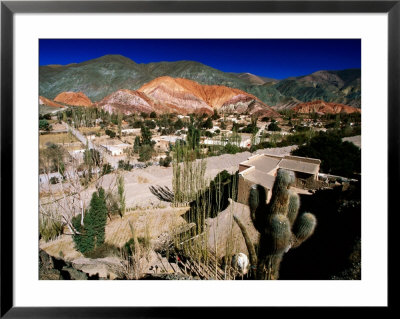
[278, 223]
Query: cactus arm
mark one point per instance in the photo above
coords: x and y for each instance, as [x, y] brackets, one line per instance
[254, 202]
[293, 208]
[257, 204]
[249, 244]
[303, 228]
[278, 234]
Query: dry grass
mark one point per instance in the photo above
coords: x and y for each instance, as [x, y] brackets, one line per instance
[90, 130]
[149, 223]
[61, 247]
[56, 138]
[142, 180]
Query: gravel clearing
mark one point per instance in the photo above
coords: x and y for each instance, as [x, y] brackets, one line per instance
[137, 182]
[356, 140]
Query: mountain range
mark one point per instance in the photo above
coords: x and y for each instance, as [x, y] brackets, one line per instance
[167, 95]
[98, 78]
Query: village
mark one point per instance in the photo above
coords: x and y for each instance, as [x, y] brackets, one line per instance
[151, 191]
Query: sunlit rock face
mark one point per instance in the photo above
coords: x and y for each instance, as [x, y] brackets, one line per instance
[73, 98]
[189, 96]
[126, 102]
[166, 94]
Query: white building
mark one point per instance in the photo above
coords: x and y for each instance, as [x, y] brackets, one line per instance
[129, 131]
[115, 150]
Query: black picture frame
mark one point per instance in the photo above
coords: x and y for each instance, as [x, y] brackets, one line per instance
[9, 8]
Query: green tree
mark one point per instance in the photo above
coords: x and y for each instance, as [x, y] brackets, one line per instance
[136, 145]
[146, 135]
[208, 123]
[119, 121]
[273, 127]
[178, 124]
[337, 157]
[193, 137]
[215, 116]
[145, 153]
[121, 194]
[91, 157]
[91, 234]
[153, 115]
[144, 115]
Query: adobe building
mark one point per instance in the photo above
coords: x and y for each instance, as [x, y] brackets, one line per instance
[262, 169]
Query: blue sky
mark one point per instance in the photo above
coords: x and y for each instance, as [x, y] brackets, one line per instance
[275, 58]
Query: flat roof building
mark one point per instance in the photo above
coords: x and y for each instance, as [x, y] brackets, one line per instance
[262, 169]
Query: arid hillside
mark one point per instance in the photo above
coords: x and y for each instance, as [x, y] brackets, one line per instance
[325, 108]
[73, 98]
[48, 102]
[167, 94]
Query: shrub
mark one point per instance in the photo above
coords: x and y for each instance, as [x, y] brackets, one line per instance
[137, 124]
[54, 180]
[165, 161]
[231, 149]
[44, 125]
[150, 124]
[107, 169]
[49, 228]
[110, 133]
[125, 165]
[273, 127]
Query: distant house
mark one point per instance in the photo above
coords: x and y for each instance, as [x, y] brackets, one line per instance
[115, 150]
[163, 142]
[262, 169]
[130, 131]
[91, 137]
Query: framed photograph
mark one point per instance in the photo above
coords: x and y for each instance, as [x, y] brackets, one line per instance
[196, 154]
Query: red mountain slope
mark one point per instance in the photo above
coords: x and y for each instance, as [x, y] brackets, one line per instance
[73, 98]
[325, 108]
[167, 94]
[48, 102]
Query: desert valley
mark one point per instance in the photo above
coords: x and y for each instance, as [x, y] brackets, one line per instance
[177, 170]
